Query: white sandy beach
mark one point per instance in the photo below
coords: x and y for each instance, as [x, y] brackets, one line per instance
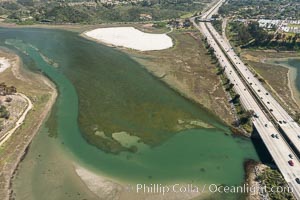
[130, 37]
[4, 64]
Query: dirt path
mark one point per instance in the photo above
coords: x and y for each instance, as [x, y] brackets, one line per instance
[20, 121]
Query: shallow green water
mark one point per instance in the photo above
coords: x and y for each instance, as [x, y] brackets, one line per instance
[293, 63]
[296, 64]
[113, 94]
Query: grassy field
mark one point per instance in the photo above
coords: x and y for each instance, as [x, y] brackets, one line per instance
[189, 69]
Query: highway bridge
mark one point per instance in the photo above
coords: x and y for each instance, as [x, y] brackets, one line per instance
[271, 118]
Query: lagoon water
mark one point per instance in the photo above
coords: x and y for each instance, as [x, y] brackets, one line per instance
[296, 64]
[293, 64]
[104, 88]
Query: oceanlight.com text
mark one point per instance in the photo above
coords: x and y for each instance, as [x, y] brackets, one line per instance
[210, 188]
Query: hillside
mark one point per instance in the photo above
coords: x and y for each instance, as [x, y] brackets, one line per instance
[95, 11]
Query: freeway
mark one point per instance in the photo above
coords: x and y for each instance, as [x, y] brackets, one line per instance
[275, 110]
[254, 96]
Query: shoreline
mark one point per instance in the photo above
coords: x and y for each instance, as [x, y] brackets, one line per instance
[13, 167]
[109, 189]
[291, 76]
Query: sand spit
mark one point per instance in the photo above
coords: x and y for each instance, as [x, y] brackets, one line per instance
[130, 37]
[14, 151]
[108, 189]
[292, 75]
[4, 64]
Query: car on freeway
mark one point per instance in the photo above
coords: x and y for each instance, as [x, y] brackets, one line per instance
[277, 136]
[273, 135]
[297, 180]
[291, 163]
[291, 156]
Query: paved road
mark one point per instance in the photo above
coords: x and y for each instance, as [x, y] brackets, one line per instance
[245, 84]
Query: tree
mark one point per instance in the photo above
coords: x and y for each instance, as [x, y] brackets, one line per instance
[235, 98]
[278, 36]
[230, 87]
[244, 35]
[253, 28]
[246, 116]
[4, 112]
[134, 14]
[211, 50]
[258, 33]
[215, 16]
